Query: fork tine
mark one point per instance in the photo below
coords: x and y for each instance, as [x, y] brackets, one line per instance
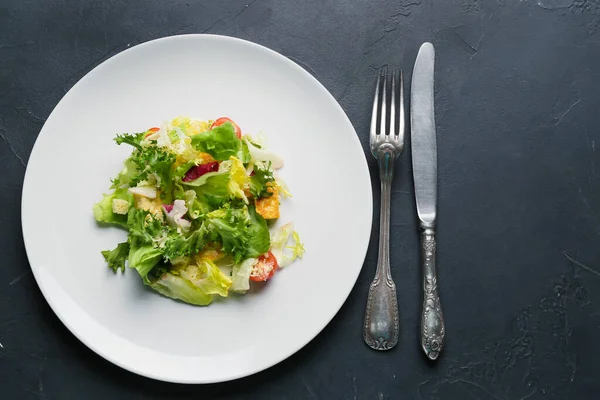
[401, 116]
[374, 131]
[393, 106]
[382, 126]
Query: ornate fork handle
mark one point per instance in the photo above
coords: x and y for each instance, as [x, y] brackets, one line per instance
[432, 320]
[381, 326]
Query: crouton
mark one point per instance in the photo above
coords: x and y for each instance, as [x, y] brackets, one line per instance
[120, 206]
[268, 207]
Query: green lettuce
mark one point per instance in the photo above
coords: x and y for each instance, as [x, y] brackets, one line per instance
[103, 209]
[244, 154]
[242, 232]
[229, 228]
[178, 245]
[143, 227]
[220, 142]
[258, 182]
[284, 249]
[128, 172]
[212, 188]
[194, 206]
[180, 171]
[132, 139]
[176, 287]
[240, 275]
[144, 258]
[237, 179]
[147, 162]
[195, 284]
[207, 277]
[259, 239]
[116, 258]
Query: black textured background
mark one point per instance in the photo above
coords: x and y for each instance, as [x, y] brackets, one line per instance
[518, 109]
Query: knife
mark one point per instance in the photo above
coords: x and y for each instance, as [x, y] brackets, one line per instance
[424, 161]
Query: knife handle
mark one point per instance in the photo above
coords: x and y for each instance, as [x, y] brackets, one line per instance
[432, 320]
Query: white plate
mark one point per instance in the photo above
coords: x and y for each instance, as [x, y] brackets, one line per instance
[74, 157]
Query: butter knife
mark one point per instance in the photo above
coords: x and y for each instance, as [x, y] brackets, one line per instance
[424, 161]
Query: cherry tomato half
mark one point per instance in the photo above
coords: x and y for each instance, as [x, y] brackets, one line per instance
[264, 268]
[151, 131]
[222, 120]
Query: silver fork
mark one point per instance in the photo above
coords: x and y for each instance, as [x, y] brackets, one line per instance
[381, 326]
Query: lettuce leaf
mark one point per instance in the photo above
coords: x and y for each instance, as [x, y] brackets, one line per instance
[229, 227]
[238, 179]
[195, 207]
[103, 209]
[211, 188]
[129, 171]
[242, 232]
[259, 239]
[220, 142]
[176, 287]
[284, 251]
[181, 170]
[240, 276]
[144, 258]
[143, 226]
[178, 245]
[148, 160]
[244, 154]
[116, 258]
[207, 277]
[258, 182]
[194, 284]
[157, 161]
[132, 139]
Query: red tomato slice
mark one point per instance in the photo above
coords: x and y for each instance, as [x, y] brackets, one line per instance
[222, 120]
[264, 268]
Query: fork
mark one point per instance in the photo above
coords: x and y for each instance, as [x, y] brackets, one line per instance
[381, 326]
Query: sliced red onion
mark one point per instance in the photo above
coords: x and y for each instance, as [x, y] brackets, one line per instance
[175, 214]
[199, 170]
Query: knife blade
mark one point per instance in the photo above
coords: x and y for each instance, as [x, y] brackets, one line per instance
[423, 142]
[424, 161]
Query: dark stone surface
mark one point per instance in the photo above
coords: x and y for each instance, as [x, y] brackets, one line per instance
[519, 210]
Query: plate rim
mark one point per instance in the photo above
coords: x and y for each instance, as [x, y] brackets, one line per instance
[89, 343]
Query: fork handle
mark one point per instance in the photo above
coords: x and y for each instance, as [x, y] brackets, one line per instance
[432, 320]
[381, 326]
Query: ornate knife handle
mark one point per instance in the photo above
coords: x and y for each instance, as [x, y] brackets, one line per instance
[432, 320]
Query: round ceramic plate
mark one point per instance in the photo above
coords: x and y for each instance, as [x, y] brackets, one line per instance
[74, 157]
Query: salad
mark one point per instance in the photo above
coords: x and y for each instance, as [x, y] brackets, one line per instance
[197, 199]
